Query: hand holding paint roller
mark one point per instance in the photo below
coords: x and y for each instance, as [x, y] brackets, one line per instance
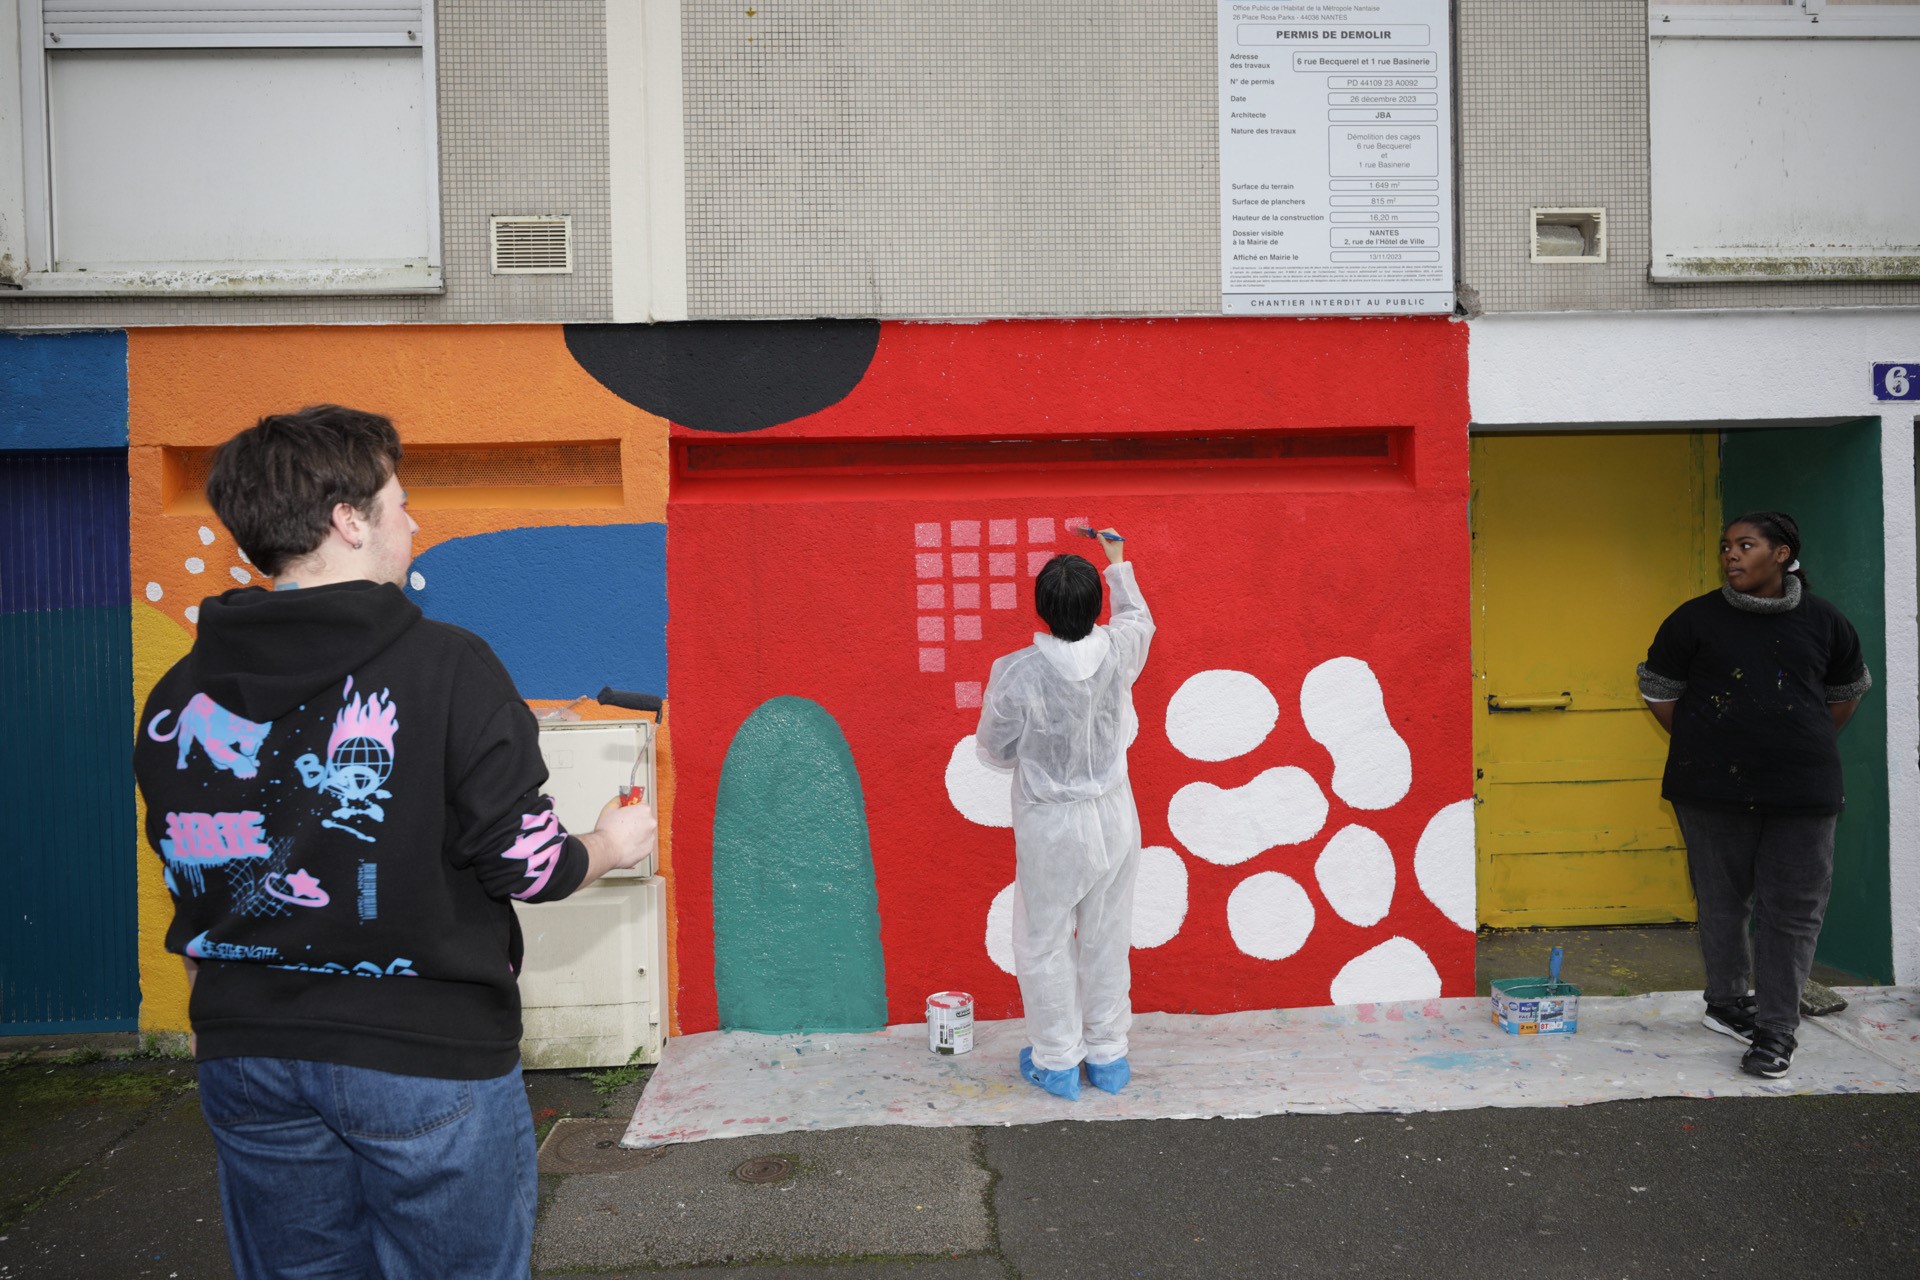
[1109, 539]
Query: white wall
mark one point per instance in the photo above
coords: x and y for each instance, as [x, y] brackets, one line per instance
[13, 197]
[1719, 366]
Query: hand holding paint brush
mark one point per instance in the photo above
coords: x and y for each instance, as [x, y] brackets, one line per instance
[1109, 539]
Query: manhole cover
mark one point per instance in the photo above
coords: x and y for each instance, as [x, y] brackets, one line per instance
[591, 1146]
[764, 1169]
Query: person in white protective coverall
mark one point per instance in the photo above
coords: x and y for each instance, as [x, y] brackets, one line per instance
[1059, 715]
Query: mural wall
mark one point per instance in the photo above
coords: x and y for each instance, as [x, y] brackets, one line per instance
[858, 510]
[854, 541]
[540, 496]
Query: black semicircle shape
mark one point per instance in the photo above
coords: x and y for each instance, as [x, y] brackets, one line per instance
[728, 375]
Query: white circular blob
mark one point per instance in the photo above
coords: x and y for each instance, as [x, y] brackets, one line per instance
[417, 580]
[154, 591]
[1269, 915]
[206, 536]
[1443, 863]
[240, 575]
[1217, 715]
[1159, 896]
[192, 612]
[1345, 712]
[1230, 825]
[981, 794]
[196, 565]
[1397, 969]
[1355, 873]
[1000, 930]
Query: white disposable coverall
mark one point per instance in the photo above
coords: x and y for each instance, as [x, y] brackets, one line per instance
[1060, 715]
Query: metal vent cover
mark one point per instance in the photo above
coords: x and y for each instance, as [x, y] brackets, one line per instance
[532, 245]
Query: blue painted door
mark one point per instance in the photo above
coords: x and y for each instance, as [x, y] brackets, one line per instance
[68, 914]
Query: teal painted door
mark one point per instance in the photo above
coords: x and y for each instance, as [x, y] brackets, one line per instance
[67, 958]
[1828, 479]
[796, 918]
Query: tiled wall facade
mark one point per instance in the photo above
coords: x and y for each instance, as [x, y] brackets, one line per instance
[861, 158]
[1553, 113]
[523, 130]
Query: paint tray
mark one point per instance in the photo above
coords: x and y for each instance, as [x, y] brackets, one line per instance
[1537, 1006]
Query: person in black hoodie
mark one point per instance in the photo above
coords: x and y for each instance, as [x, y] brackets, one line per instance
[346, 800]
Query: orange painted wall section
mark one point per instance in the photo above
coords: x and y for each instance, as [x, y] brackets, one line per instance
[453, 385]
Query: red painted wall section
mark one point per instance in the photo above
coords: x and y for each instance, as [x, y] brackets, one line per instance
[886, 602]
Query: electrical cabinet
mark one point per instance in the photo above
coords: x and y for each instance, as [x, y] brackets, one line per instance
[593, 982]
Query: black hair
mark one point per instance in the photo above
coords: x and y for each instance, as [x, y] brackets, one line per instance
[1780, 530]
[275, 485]
[1067, 596]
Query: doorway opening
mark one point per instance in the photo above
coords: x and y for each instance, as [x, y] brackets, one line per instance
[1584, 539]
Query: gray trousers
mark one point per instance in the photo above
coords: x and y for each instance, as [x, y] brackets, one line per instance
[1776, 869]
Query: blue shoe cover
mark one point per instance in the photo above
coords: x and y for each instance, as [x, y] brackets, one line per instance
[1061, 1084]
[1111, 1076]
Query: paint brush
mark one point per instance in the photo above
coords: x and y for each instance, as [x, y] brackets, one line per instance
[1088, 531]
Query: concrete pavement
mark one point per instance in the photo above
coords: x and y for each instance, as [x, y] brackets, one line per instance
[107, 1171]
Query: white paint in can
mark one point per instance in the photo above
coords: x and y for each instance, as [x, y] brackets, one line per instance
[950, 1022]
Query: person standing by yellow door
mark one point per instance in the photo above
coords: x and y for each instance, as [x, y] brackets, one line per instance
[1754, 682]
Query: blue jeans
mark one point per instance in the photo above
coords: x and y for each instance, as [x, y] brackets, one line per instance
[341, 1172]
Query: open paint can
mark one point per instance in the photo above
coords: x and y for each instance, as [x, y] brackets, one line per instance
[950, 1022]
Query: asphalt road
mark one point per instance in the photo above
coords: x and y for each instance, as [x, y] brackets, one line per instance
[106, 1171]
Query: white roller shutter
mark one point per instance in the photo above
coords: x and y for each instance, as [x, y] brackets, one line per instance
[191, 24]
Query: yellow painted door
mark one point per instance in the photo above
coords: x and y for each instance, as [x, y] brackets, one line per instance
[1582, 544]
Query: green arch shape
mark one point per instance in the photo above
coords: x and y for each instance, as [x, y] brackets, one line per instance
[796, 917]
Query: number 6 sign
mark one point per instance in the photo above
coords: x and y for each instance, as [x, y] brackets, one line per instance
[1897, 381]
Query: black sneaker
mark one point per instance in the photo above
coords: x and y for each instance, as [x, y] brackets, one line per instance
[1734, 1020]
[1771, 1055]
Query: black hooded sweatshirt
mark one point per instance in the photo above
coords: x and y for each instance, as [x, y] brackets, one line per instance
[345, 796]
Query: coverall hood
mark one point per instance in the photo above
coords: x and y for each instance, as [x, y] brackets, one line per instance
[1074, 659]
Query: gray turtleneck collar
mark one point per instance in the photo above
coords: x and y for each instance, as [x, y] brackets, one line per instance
[1786, 602]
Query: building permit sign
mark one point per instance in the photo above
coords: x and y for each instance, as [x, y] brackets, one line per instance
[1336, 157]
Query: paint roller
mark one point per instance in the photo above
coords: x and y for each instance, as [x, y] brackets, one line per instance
[633, 793]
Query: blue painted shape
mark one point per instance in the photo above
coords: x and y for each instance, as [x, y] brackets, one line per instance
[63, 391]
[568, 609]
[796, 915]
[63, 531]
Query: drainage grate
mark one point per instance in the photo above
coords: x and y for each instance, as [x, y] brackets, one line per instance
[591, 1146]
[764, 1169]
[533, 245]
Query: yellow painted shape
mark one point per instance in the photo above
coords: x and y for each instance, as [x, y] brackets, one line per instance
[158, 643]
[1582, 544]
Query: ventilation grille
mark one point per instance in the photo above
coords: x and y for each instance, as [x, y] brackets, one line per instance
[533, 246]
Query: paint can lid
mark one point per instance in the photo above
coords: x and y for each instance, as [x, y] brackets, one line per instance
[949, 1000]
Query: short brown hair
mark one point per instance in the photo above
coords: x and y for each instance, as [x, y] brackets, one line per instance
[275, 485]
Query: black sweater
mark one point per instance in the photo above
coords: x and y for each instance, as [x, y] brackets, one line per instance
[345, 796]
[1753, 679]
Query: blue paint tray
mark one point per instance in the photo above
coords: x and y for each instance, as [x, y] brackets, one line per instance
[1537, 1006]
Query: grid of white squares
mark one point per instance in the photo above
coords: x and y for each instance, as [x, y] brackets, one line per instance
[966, 569]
